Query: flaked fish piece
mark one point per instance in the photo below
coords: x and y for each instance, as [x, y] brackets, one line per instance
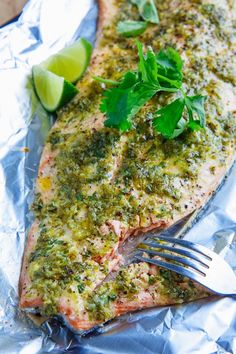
[97, 187]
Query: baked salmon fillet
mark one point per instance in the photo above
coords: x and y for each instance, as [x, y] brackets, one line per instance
[97, 186]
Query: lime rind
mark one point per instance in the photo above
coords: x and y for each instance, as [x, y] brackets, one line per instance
[52, 90]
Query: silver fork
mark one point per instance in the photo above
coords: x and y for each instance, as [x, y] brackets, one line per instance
[191, 260]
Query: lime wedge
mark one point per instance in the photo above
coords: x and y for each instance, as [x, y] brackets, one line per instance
[70, 62]
[53, 90]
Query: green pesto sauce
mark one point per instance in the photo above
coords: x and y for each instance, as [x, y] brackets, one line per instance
[103, 175]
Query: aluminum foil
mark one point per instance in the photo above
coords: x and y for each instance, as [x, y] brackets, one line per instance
[205, 327]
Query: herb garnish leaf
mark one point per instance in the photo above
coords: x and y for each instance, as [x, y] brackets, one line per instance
[147, 10]
[195, 107]
[131, 28]
[122, 103]
[106, 81]
[170, 64]
[170, 123]
[168, 117]
[147, 66]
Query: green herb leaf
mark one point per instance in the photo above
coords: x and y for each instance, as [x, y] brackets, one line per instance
[195, 107]
[105, 81]
[121, 105]
[168, 118]
[129, 80]
[116, 106]
[152, 73]
[131, 28]
[147, 66]
[180, 127]
[147, 10]
[170, 66]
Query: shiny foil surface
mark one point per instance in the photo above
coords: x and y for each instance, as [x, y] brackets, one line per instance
[204, 327]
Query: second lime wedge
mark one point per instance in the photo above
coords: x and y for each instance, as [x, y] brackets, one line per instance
[53, 90]
[70, 62]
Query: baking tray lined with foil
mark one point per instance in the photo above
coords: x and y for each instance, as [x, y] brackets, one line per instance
[207, 326]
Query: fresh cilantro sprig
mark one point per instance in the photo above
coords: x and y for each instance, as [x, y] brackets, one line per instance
[148, 13]
[161, 72]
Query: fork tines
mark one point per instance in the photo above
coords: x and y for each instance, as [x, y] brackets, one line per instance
[191, 260]
[180, 260]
